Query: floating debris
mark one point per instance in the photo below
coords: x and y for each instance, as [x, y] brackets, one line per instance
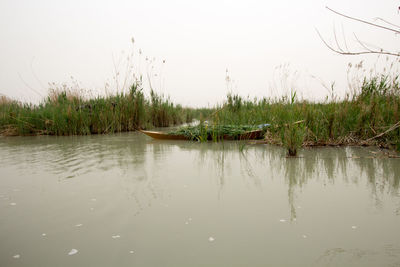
[17, 256]
[354, 227]
[72, 252]
[115, 236]
[211, 239]
[13, 204]
[282, 220]
[78, 225]
[188, 220]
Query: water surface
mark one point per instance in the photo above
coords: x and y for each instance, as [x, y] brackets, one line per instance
[128, 200]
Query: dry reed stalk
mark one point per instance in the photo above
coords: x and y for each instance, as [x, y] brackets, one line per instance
[4, 100]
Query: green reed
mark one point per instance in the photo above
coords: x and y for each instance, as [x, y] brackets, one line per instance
[66, 113]
[357, 119]
[370, 116]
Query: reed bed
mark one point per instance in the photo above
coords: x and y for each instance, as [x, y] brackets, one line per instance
[370, 116]
[65, 112]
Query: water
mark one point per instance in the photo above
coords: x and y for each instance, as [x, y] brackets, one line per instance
[128, 200]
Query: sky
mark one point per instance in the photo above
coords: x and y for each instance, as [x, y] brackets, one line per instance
[186, 49]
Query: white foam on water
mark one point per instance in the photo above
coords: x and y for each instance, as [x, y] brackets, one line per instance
[304, 236]
[17, 256]
[115, 236]
[282, 220]
[211, 239]
[13, 203]
[131, 252]
[354, 227]
[78, 225]
[44, 234]
[93, 199]
[72, 252]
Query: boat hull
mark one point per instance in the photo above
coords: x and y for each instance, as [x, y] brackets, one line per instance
[163, 136]
[252, 135]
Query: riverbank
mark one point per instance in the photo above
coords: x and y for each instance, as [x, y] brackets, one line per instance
[370, 116]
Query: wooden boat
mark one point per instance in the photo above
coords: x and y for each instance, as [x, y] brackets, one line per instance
[164, 136]
[251, 135]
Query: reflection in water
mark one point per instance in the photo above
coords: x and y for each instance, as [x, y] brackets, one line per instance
[348, 164]
[231, 193]
[136, 159]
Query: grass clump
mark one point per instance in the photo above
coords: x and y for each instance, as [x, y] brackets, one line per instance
[292, 137]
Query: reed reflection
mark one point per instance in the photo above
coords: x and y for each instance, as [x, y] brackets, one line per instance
[350, 165]
[323, 165]
[139, 162]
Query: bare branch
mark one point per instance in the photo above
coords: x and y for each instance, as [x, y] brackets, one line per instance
[364, 21]
[338, 51]
[337, 43]
[387, 22]
[362, 44]
[344, 39]
[367, 48]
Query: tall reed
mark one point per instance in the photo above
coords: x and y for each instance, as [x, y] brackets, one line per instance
[369, 116]
[65, 112]
[357, 119]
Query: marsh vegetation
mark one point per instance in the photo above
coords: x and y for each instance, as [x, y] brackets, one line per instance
[66, 112]
[369, 116]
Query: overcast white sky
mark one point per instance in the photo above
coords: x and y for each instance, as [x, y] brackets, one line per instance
[44, 41]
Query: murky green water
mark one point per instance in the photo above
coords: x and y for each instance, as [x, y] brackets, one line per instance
[128, 200]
